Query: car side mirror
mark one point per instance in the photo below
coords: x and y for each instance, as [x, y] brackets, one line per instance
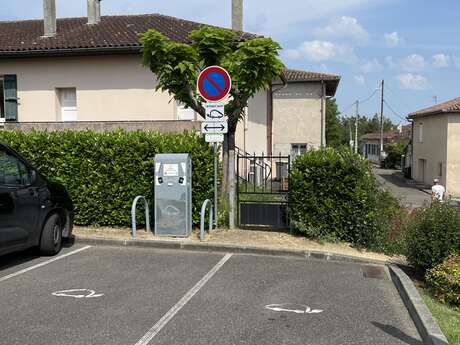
[33, 176]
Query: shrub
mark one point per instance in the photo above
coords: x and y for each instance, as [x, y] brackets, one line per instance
[103, 172]
[332, 196]
[444, 279]
[391, 222]
[433, 235]
[394, 150]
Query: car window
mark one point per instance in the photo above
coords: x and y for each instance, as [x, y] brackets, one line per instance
[12, 171]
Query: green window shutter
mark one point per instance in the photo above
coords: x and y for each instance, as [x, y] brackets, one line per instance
[10, 85]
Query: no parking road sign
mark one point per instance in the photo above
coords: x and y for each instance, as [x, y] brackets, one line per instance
[214, 84]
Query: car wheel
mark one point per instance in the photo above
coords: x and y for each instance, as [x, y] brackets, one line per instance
[51, 240]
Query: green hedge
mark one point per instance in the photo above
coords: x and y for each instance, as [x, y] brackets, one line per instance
[332, 196]
[433, 235]
[444, 279]
[103, 172]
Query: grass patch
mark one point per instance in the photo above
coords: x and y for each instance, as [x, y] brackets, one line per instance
[448, 318]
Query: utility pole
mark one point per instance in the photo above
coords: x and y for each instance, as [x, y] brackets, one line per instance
[356, 126]
[381, 120]
[351, 135]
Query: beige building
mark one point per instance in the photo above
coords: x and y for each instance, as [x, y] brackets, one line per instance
[87, 73]
[436, 145]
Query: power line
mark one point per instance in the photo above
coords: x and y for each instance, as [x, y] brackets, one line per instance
[394, 111]
[369, 98]
[408, 108]
[360, 101]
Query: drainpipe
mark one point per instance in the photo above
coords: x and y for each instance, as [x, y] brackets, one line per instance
[49, 18]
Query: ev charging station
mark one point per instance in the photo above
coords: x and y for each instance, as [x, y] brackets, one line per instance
[173, 195]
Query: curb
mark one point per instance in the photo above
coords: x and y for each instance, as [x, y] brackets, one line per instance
[422, 317]
[227, 248]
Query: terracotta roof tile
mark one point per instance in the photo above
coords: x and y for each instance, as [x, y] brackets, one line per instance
[452, 106]
[293, 75]
[23, 37]
[298, 76]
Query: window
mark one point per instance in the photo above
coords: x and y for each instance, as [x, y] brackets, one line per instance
[440, 170]
[298, 149]
[420, 133]
[8, 98]
[68, 104]
[184, 113]
[12, 171]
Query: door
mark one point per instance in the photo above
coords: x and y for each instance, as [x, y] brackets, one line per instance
[19, 203]
[68, 101]
[421, 169]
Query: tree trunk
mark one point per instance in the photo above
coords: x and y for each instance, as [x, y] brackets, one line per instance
[231, 181]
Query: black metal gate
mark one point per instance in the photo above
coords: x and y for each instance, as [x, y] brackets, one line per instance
[263, 185]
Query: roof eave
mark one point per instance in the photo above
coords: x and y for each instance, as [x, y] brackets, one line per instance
[70, 52]
[331, 84]
[432, 113]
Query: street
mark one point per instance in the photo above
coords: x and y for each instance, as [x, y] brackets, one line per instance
[110, 295]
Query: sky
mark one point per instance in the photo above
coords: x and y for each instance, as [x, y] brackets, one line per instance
[414, 45]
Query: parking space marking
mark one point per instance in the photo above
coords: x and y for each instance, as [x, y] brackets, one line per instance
[77, 293]
[147, 338]
[293, 308]
[12, 275]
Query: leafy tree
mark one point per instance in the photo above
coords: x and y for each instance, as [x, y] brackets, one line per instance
[252, 63]
[333, 129]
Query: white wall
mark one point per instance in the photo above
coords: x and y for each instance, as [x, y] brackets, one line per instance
[297, 116]
[109, 88]
[433, 148]
[453, 155]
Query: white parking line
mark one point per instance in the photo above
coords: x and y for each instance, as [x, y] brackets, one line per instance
[182, 302]
[41, 264]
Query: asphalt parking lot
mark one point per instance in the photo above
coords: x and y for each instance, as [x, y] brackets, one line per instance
[110, 295]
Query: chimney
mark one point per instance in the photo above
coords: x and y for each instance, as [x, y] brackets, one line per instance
[237, 15]
[94, 12]
[49, 18]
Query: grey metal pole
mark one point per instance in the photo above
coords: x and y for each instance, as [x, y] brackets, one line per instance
[215, 186]
[356, 126]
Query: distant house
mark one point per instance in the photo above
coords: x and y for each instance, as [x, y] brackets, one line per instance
[81, 73]
[370, 143]
[436, 145]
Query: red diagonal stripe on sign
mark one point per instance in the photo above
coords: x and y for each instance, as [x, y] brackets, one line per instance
[213, 83]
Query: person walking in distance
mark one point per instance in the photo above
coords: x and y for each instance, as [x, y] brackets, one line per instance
[437, 191]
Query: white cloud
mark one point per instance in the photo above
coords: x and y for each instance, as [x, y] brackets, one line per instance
[441, 61]
[359, 79]
[344, 27]
[392, 39]
[456, 61]
[411, 81]
[372, 66]
[413, 63]
[321, 51]
[390, 62]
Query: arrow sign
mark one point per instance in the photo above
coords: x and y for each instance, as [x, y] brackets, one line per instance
[214, 127]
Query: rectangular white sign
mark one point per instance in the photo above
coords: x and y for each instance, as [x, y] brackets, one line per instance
[214, 138]
[214, 127]
[215, 112]
[171, 170]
